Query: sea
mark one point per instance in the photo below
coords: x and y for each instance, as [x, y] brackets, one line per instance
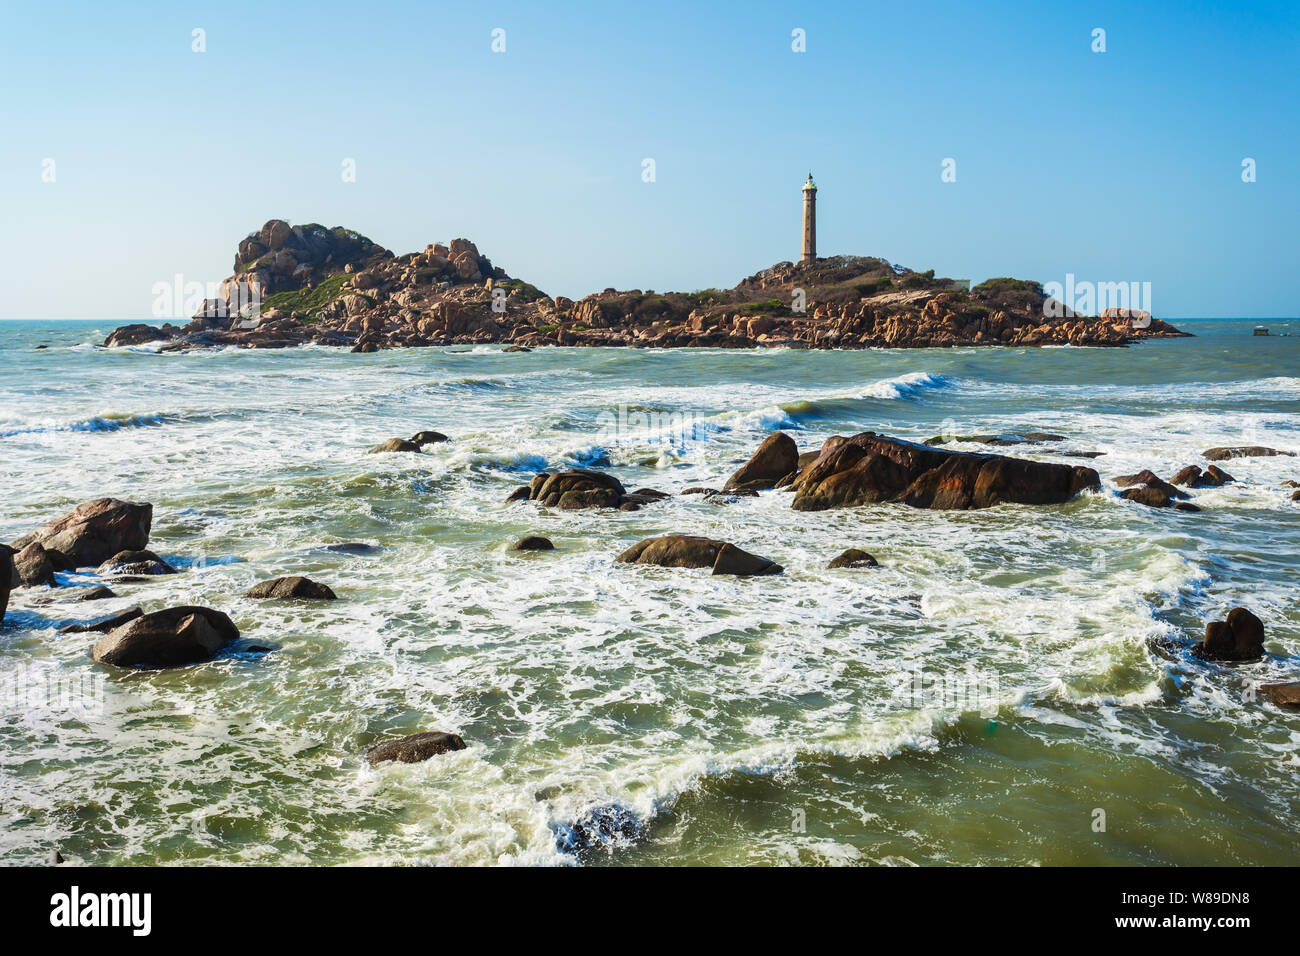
[1009, 686]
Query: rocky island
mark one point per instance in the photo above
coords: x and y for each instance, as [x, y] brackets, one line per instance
[336, 287]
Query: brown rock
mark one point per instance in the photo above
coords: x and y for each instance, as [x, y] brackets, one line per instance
[686, 551]
[853, 558]
[1243, 451]
[578, 488]
[33, 567]
[415, 747]
[95, 531]
[870, 468]
[98, 593]
[1239, 638]
[290, 588]
[169, 638]
[1151, 480]
[393, 444]
[420, 439]
[1284, 695]
[533, 543]
[776, 457]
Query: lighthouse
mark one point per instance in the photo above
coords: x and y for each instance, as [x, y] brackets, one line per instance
[809, 222]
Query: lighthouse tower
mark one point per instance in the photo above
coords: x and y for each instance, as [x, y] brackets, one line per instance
[809, 222]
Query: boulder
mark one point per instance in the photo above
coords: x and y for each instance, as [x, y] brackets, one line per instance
[104, 625]
[1284, 695]
[34, 567]
[393, 444]
[869, 468]
[1239, 638]
[290, 588]
[420, 439]
[686, 551]
[853, 558]
[578, 488]
[1193, 477]
[138, 333]
[533, 543]
[275, 234]
[1151, 480]
[1243, 451]
[6, 577]
[168, 638]
[98, 593]
[776, 457]
[135, 562]
[95, 531]
[416, 747]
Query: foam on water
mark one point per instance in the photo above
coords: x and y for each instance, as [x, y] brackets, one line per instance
[610, 709]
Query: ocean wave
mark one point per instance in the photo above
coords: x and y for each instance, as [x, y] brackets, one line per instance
[100, 423]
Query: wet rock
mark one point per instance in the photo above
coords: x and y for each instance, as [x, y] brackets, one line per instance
[393, 444]
[1151, 480]
[292, 588]
[650, 494]
[578, 488]
[420, 439]
[138, 334]
[686, 551]
[522, 493]
[868, 468]
[1284, 695]
[776, 457]
[169, 638]
[95, 531]
[1243, 451]
[354, 547]
[1028, 438]
[104, 625]
[98, 593]
[517, 348]
[135, 562]
[1193, 477]
[533, 543]
[416, 747]
[6, 577]
[33, 567]
[1239, 638]
[853, 558]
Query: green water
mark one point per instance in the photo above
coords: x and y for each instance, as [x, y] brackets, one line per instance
[976, 699]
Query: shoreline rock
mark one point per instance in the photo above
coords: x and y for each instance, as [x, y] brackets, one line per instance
[169, 638]
[94, 531]
[415, 748]
[687, 551]
[868, 468]
[6, 578]
[290, 588]
[1239, 638]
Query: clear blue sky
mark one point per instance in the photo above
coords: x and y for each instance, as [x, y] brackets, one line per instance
[1115, 166]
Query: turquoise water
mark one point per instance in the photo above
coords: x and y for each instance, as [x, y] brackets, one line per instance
[976, 699]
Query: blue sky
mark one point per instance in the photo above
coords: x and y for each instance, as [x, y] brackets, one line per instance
[1115, 166]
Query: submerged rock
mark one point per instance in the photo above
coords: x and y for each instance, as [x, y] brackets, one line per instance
[1224, 453]
[1284, 695]
[135, 562]
[1193, 477]
[104, 625]
[420, 439]
[95, 531]
[869, 468]
[776, 457]
[98, 593]
[393, 444]
[853, 558]
[416, 747]
[533, 543]
[169, 638]
[1155, 498]
[686, 551]
[1151, 480]
[288, 588]
[1239, 638]
[579, 488]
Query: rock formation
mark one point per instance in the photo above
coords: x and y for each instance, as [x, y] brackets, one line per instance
[169, 638]
[869, 468]
[685, 551]
[416, 747]
[336, 287]
[94, 531]
[292, 588]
